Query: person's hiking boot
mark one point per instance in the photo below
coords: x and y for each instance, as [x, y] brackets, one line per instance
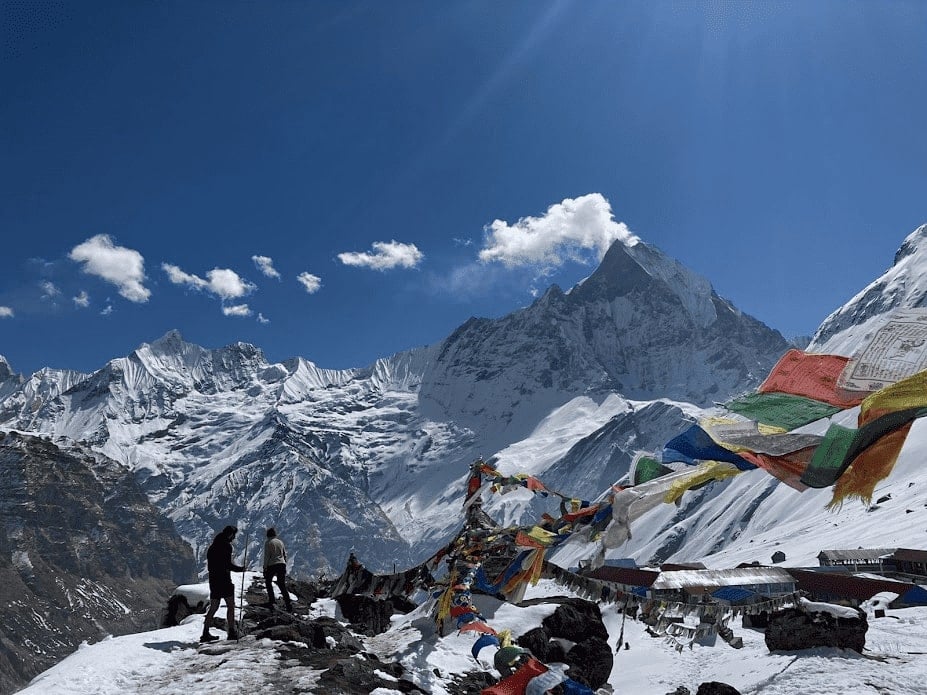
[207, 637]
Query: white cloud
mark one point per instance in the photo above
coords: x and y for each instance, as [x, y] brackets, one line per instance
[222, 282]
[236, 310]
[266, 265]
[6, 312]
[49, 290]
[228, 284]
[385, 255]
[121, 266]
[565, 231]
[312, 283]
[82, 300]
[179, 277]
[262, 319]
[107, 310]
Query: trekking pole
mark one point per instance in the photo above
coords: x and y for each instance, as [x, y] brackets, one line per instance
[241, 597]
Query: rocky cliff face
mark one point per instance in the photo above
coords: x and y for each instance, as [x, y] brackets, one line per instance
[82, 554]
[641, 326]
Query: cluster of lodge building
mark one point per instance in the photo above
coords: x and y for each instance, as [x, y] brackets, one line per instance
[846, 577]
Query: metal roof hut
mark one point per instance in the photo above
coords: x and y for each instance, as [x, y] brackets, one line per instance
[906, 561]
[625, 579]
[849, 590]
[691, 586]
[673, 566]
[859, 560]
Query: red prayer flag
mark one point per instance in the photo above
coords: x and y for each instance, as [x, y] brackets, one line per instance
[812, 376]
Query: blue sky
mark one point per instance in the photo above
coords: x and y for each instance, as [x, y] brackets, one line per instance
[344, 180]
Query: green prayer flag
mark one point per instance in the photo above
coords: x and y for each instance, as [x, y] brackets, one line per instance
[647, 468]
[781, 409]
[827, 463]
[841, 445]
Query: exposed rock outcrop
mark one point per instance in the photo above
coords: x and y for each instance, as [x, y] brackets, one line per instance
[370, 616]
[83, 554]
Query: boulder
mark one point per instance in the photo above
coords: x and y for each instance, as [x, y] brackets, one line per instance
[576, 620]
[368, 615]
[177, 609]
[470, 682]
[536, 641]
[364, 674]
[793, 629]
[716, 688]
[756, 620]
[590, 662]
[320, 633]
[306, 592]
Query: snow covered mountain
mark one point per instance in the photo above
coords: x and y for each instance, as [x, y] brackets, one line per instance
[641, 326]
[753, 515]
[900, 287]
[374, 458]
[566, 389]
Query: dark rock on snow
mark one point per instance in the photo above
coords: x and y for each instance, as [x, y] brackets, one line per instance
[792, 629]
[575, 620]
[590, 662]
[707, 688]
[536, 641]
[370, 616]
[471, 682]
[716, 688]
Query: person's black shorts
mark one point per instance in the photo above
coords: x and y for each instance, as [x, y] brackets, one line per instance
[221, 590]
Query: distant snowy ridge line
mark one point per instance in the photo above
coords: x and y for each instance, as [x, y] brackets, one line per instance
[376, 457]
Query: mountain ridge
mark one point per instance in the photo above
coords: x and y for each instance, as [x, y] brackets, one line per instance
[221, 434]
[375, 459]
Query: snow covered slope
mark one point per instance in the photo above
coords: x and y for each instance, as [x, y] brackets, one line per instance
[167, 661]
[902, 286]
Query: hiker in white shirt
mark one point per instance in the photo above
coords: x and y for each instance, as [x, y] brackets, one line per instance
[275, 568]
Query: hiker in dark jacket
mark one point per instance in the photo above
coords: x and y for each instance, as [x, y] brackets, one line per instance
[220, 566]
[275, 568]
